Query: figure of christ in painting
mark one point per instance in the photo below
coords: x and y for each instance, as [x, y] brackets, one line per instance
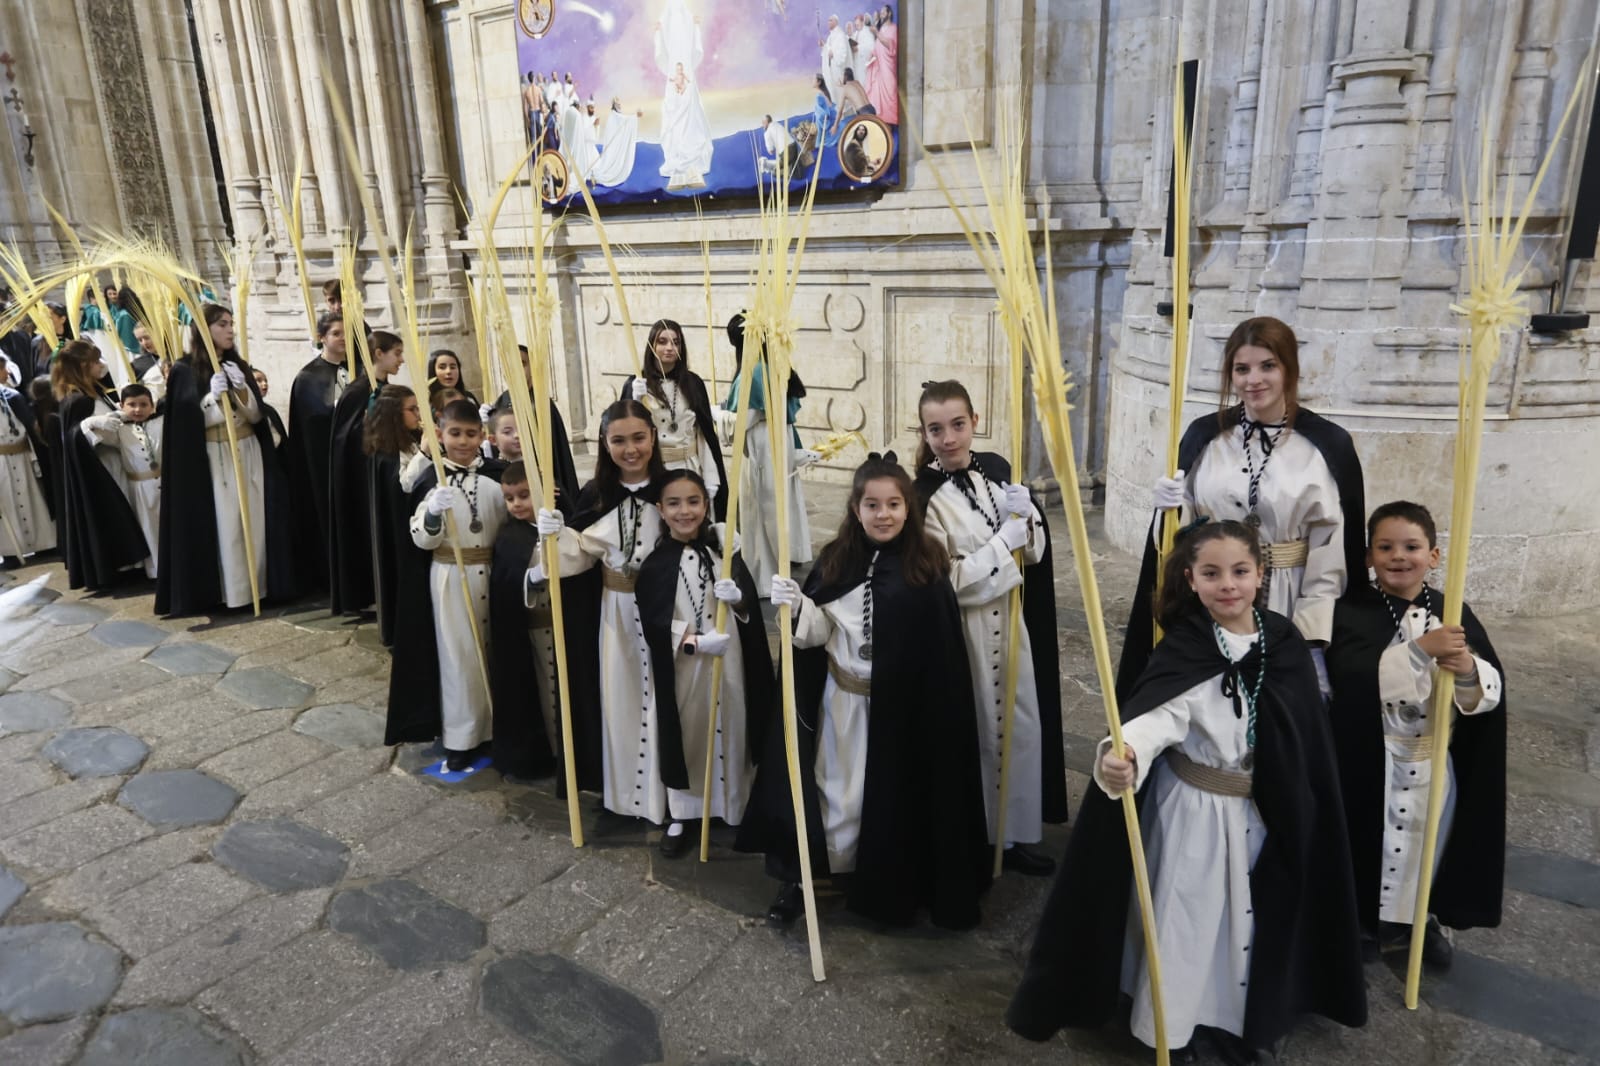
[685, 130]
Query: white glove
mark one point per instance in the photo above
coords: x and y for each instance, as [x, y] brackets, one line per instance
[235, 374]
[1018, 502]
[724, 419]
[638, 388]
[536, 574]
[785, 593]
[1013, 533]
[1169, 492]
[805, 457]
[219, 383]
[727, 590]
[441, 499]
[711, 643]
[484, 411]
[1320, 661]
[549, 523]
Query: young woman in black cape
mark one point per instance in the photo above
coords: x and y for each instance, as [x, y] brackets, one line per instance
[1370, 624]
[350, 529]
[896, 798]
[313, 395]
[680, 632]
[1288, 472]
[678, 399]
[390, 435]
[97, 531]
[1254, 903]
[201, 542]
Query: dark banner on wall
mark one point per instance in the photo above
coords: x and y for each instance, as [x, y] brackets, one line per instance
[651, 100]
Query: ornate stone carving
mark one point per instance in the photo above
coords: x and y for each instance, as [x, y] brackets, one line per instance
[129, 118]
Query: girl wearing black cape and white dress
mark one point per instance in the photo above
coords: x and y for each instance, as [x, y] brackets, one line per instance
[390, 435]
[97, 532]
[1286, 471]
[678, 593]
[681, 406]
[203, 561]
[889, 777]
[1254, 903]
[613, 684]
[981, 517]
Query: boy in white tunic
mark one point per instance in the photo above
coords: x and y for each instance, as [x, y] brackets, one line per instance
[135, 433]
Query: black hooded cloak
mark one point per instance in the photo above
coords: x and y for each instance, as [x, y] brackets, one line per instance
[391, 535]
[1306, 953]
[1039, 616]
[350, 530]
[98, 533]
[1338, 452]
[312, 398]
[657, 594]
[1467, 891]
[924, 835]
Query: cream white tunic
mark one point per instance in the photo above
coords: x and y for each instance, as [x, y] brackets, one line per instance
[225, 495]
[630, 731]
[463, 699]
[683, 446]
[984, 573]
[1298, 500]
[139, 445]
[27, 527]
[1406, 675]
[756, 504]
[733, 772]
[1200, 847]
[841, 766]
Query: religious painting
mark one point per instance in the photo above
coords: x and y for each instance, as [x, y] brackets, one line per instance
[647, 101]
[551, 169]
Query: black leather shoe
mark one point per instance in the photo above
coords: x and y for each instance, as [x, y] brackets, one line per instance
[1437, 951]
[1186, 1054]
[1027, 861]
[787, 906]
[457, 761]
[673, 847]
[1231, 1049]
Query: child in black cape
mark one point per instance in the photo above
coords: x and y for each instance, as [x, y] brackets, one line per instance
[1388, 648]
[98, 533]
[889, 779]
[390, 435]
[522, 666]
[350, 530]
[980, 516]
[436, 687]
[1254, 904]
[202, 558]
[678, 593]
[564, 471]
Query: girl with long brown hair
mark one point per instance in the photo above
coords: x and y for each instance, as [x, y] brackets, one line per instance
[390, 435]
[681, 406]
[884, 716]
[98, 533]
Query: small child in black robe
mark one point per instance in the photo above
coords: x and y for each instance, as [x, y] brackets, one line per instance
[522, 661]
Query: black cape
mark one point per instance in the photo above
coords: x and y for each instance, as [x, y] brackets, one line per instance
[693, 388]
[391, 535]
[565, 470]
[657, 593]
[98, 532]
[924, 837]
[189, 569]
[1039, 616]
[22, 409]
[350, 546]
[312, 398]
[1337, 451]
[415, 713]
[1306, 954]
[17, 347]
[521, 746]
[1467, 891]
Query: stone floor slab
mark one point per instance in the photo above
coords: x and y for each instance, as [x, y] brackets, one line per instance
[262, 688]
[75, 838]
[191, 658]
[153, 914]
[1557, 877]
[382, 1028]
[282, 855]
[27, 712]
[128, 634]
[559, 1006]
[11, 889]
[173, 798]
[344, 725]
[47, 1044]
[1510, 997]
[267, 758]
[73, 614]
[501, 864]
[54, 970]
[96, 752]
[94, 882]
[162, 1036]
[405, 926]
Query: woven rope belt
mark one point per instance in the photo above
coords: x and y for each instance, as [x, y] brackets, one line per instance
[618, 580]
[1208, 778]
[1284, 555]
[144, 475]
[1410, 749]
[219, 434]
[19, 448]
[469, 556]
[849, 682]
[677, 454]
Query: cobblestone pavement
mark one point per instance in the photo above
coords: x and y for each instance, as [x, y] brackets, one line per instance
[207, 856]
